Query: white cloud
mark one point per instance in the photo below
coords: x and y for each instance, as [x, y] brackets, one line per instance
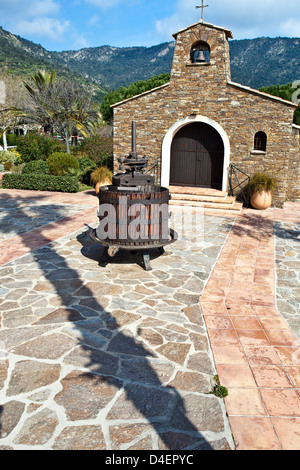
[184, 14]
[290, 28]
[94, 20]
[49, 28]
[18, 9]
[246, 18]
[37, 18]
[104, 3]
[80, 42]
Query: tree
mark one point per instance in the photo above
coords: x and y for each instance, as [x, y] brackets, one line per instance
[285, 92]
[61, 105]
[40, 94]
[13, 99]
[134, 89]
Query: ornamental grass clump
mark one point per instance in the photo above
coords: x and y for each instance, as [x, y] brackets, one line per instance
[101, 176]
[262, 187]
[261, 182]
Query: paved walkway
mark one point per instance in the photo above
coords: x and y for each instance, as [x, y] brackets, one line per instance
[257, 354]
[115, 357]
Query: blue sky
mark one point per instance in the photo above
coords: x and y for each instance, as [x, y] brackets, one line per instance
[73, 24]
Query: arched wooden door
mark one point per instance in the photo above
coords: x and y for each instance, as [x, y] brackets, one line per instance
[197, 157]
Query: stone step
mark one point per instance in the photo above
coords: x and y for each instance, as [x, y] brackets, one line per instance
[210, 199]
[233, 208]
[208, 205]
[190, 191]
[194, 197]
[221, 212]
[237, 206]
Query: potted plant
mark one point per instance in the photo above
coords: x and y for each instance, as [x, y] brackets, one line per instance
[261, 190]
[100, 177]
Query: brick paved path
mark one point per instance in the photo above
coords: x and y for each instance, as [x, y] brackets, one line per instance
[257, 354]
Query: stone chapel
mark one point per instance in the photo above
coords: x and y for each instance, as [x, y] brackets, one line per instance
[200, 122]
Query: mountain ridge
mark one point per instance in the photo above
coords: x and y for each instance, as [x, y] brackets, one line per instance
[254, 62]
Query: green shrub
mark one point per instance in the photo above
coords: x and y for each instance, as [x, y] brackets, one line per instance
[85, 162]
[36, 146]
[8, 156]
[37, 167]
[37, 182]
[87, 166]
[11, 139]
[85, 176]
[98, 149]
[7, 166]
[61, 163]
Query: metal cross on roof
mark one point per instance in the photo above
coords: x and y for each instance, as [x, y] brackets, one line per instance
[202, 6]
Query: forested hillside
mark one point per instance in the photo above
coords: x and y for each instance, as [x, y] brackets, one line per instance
[23, 58]
[254, 62]
[265, 61]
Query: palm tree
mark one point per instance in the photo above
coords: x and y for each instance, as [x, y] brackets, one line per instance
[61, 104]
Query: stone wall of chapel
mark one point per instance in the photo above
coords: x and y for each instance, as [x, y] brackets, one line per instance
[204, 90]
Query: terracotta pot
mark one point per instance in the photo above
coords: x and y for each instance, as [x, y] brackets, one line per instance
[106, 182]
[262, 200]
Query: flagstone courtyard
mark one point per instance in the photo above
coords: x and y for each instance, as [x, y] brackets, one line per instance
[114, 357]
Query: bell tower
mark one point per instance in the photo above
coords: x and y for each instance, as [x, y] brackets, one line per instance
[201, 53]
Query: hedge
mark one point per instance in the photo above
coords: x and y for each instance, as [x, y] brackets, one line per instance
[65, 184]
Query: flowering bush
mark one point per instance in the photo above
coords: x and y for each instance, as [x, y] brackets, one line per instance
[97, 148]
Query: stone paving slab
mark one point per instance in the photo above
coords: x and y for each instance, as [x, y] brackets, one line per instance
[287, 244]
[113, 357]
[24, 211]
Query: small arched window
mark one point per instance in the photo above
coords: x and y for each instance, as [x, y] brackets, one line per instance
[200, 53]
[260, 141]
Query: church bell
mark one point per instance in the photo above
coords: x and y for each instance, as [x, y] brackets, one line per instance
[201, 57]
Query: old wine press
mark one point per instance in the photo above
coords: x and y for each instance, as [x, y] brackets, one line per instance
[133, 211]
